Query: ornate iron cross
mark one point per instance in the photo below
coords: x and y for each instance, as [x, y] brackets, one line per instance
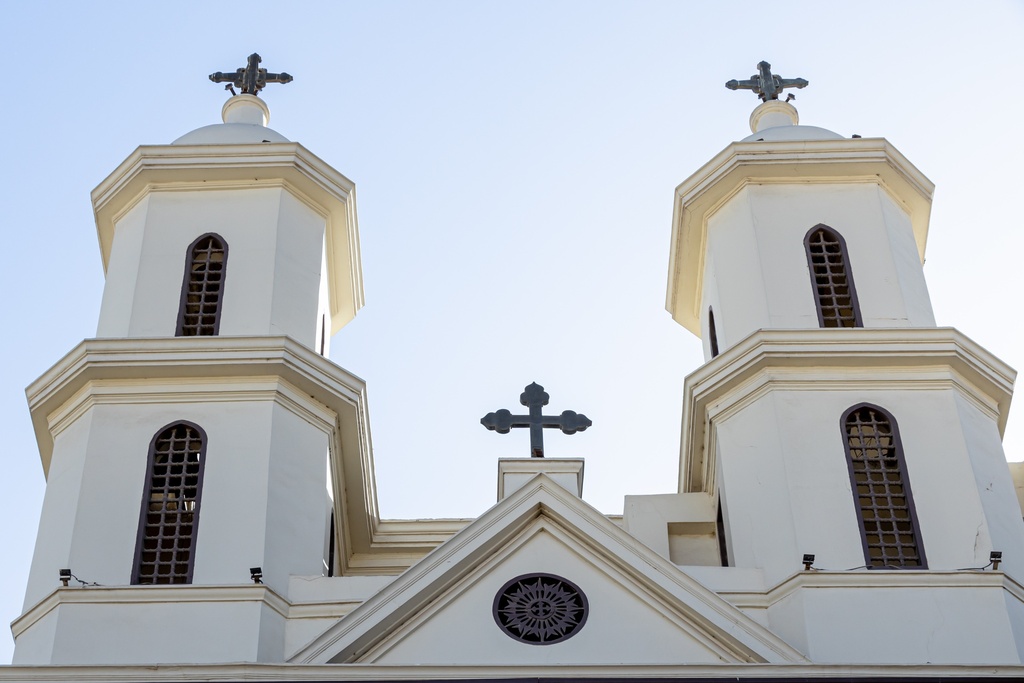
[765, 84]
[535, 398]
[251, 79]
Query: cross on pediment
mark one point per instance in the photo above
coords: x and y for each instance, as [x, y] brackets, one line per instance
[535, 398]
[250, 79]
[765, 84]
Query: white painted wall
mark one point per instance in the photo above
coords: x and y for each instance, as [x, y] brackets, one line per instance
[623, 626]
[896, 624]
[262, 501]
[994, 485]
[122, 276]
[756, 274]
[678, 526]
[1015, 614]
[787, 490]
[275, 273]
[295, 522]
[734, 273]
[330, 597]
[147, 633]
[60, 505]
[262, 504]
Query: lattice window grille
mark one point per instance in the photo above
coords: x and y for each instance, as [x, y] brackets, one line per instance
[833, 284]
[203, 288]
[170, 507]
[884, 503]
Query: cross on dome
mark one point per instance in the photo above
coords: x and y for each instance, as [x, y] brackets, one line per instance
[250, 79]
[765, 84]
[535, 398]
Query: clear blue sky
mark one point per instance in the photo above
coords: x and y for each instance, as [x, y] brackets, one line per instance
[515, 165]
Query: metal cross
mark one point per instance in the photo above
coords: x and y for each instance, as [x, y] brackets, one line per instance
[535, 397]
[251, 79]
[765, 84]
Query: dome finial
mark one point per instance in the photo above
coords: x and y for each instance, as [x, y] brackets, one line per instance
[765, 84]
[251, 79]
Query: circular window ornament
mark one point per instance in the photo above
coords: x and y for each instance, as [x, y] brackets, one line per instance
[540, 609]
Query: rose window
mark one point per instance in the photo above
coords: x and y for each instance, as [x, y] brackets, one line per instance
[540, 609]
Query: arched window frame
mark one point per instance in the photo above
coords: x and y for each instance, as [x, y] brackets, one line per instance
[855, 319]
[712, 332]
[145, 511]
[184, 327]
[904, 482]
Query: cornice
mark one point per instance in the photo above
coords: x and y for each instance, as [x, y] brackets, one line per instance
[214, 167]
[176, 365]
[744, 599]
[903, 579]
[174, 391]
[840, 360]
[157, 595]
[171, 369]
[655, 673]
[804, 162]
[289, 165]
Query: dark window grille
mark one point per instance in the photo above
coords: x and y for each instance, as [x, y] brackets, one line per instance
[203, 288]
[712, 332]
[723, 549]
[881, 490]
[165, 550]
[834, 293]
[330, 549]
[540, 609]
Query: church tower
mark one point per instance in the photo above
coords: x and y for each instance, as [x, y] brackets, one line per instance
[832, 417]
[189, 442]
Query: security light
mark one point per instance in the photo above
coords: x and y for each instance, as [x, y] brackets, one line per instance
[65, 576]
[808, 561]
[256, 574]
[994, 558]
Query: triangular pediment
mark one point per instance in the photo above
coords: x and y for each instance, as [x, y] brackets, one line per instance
[640, 609]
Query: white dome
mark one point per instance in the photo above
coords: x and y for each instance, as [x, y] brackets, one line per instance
[230, 133]
[792, 133]
[245, 122]
[777, 120]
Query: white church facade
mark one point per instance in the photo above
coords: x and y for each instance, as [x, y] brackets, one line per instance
[844, 507]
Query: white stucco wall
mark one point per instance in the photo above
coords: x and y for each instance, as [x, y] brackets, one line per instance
[623, 626]
[899, 624]
[152, 633]
[274, 269]
[60, 503]
[262, 463]
[266, 457]
[996, 493]
[122, 276]
[787, 489]
[295, 520]
[321, 601]
[756, 274]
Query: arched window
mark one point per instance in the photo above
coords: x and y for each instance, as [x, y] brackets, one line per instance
[202, 290]
[165, 550]
[881, 489]
[712, 332]
[831, 278]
